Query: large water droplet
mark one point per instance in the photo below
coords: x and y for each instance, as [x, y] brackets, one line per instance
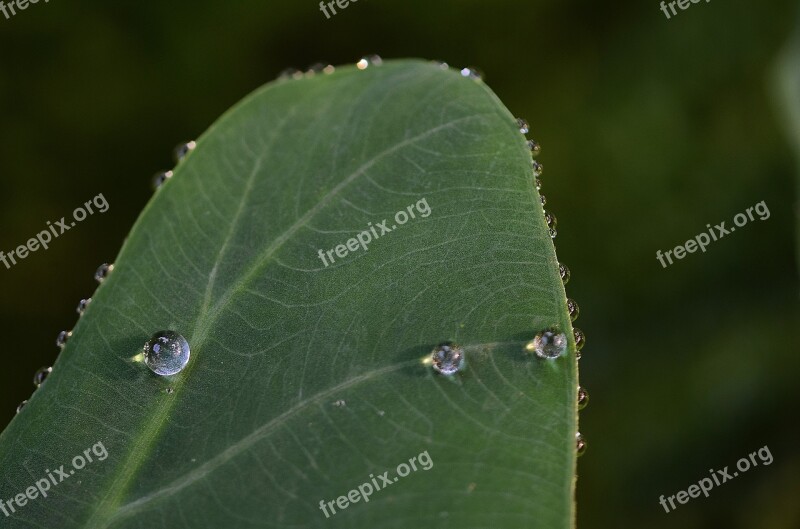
[102, 272]
[166, 353]
[534, 146]
[580, 444]
[583, 398]
[182, 150]
[448, 358]
[537, 168]
[523, 126]
[41, 375]
[83, 305]
[548, 344]
[61, 339]
[573, 308]
[580, 338]
[564, 273]
[21, 405]
[160, 178]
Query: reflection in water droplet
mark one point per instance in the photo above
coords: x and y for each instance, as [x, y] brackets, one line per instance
[548, 344]
[166, 353]
[564, 272]
[580, 444]
[448, 358]
[537, 168]
[83, 305]
[534, 146]
[583, 398]
[21, 405]
[551, 219]
[160, 178]
[41, 375]
[573, 308]
[538, 182]
[523, 126]
[580, 338]
[103, 271]
[62, 338]
[182, 150]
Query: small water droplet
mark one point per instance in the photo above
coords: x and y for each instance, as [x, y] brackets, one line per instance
[537, 168]
[41, 375]
[160, 178]
[553, 233]
[314, 69]
[83, 305]
[580, 444]
[548, 344]
[538, 183]
[534, 146]
[166, 353]
[169, 391]
[574, 309]
[329, 69]
[103, 271]
[442, 65]
[288, 73]
[551, 219]
[564, 273]
[543, 199]
[523, 126]
[370, 60]
[448, 358]
[340, 404]
[21, 405]
[583, 398]
[580, 338]
[182, 150]
[472, 73]
[61, 339]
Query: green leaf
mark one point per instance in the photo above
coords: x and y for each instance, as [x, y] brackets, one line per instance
[306, 379]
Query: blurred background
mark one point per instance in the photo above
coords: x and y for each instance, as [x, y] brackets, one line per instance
[650, 128]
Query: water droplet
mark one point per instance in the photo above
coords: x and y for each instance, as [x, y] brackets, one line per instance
[21, 405]
[41, 375]
[329, 69]
[580, 444]
[182, 150]
[83, 305]
[169, 391]
[551, 219]
[583, 398]
[574, 309]
[538, 183]
[548, 344]
[340, 404]
[543, 199]
[564, 273]
[160, 178]
[534, 146]
[448, 358]
[314, 69]
[553, 233]
[442, 65]
[62, 338]
[370, 60]
[537, 168]
[166, 353]
[472, 73]
[288, 73]
[523, 126]
[580, 338]
[102, 272]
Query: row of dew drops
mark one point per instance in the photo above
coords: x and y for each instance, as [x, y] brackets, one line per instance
[448, 358]
[166, 352]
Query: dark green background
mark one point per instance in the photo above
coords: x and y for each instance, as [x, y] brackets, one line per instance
[651, 128]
